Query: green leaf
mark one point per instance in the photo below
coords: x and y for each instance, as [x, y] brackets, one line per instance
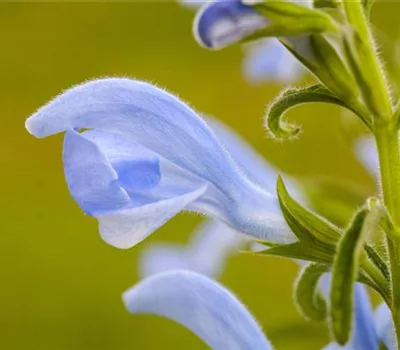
[308, 298]
[302, 251]
[317, 237]
[366, 73]
[345, 271]
[289, 14]
[290, 98]
[306, 225]
[337, 76]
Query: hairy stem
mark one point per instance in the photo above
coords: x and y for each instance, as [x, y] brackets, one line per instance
[387, 142]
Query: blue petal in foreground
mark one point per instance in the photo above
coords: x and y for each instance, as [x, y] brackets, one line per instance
[206, 308]
[92, 181]
[127, 227]
[180, 152]
[145, 114]
[248, 159]
[224, 22]
[206, 252]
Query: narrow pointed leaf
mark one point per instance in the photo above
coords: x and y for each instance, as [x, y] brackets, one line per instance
[290, 98]
[306, 225]
[309, 300]
[345, 271]
[301, 251]
[338, 76]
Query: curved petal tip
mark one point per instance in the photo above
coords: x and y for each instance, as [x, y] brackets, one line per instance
[205, 307]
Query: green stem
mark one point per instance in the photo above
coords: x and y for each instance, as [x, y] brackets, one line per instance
[387, 142]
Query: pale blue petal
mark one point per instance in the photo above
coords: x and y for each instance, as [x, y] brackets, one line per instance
[385, 326]
[92, 181]
[138, 169]
[146, 115]
[248, 159]
[269, 61]
[206, 252]
[127, 227]
[251, 162]
[203, 306]
[366, 152]
[224, 22]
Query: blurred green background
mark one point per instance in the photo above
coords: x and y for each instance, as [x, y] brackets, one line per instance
[61, 284]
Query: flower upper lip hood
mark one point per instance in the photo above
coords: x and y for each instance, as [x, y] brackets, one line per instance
[146, 157]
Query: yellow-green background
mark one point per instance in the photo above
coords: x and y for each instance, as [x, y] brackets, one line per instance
[61, 284]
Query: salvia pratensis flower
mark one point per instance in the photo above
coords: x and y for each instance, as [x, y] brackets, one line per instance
[143, 156]
[217, 317]
[221, 23]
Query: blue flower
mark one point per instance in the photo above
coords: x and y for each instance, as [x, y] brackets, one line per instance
[203, 306]
[221, 23]
[224, 22]
[266, 60]
[143, 157]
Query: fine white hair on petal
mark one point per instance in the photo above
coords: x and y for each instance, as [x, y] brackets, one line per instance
[200, 304]
[184, 165]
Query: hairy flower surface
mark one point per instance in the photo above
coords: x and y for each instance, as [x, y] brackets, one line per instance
[205, 307]
[213, 242]
[144, 156]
